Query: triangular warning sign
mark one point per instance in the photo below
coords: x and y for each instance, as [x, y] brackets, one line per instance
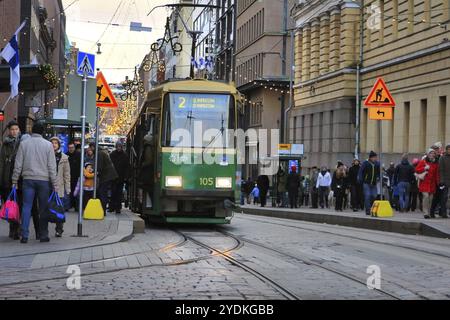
[105, 97]
[379, 96]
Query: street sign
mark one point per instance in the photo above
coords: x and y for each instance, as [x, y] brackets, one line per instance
[284, 149]
[86, 64]
[382, 113]
[379, 96]
[105, 98]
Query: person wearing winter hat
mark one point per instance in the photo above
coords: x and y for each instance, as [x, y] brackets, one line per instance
[88, 185]
[62, 177]
[293, 182]
[368, 176]
[427, 172]
[444, 175]
[414, 192]
[7, 156]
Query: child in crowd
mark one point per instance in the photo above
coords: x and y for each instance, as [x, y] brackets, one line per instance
[88, 185]
[255, 194]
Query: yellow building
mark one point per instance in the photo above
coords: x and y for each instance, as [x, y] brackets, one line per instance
[405, 42]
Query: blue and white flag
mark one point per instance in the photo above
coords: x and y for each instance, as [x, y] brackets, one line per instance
[11, 54]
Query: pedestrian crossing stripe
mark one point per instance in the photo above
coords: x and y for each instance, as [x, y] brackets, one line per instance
[379, 96]
[104, 97]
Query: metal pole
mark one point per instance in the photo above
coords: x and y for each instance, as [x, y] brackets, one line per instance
[83, 142]
[380, 123]
[358, 84]
[291, 88]
[97, 136]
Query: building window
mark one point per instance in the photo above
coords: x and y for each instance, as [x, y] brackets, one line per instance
[423, 125]
[395, 19]
[256, 110]
[442, 118]
[330, 148]
[407, 114]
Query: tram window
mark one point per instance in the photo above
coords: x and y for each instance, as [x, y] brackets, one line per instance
[184, 113]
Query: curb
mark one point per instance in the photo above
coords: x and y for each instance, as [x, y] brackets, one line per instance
[138, 224]
[379, 224]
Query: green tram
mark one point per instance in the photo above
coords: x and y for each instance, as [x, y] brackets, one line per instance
[171, 181]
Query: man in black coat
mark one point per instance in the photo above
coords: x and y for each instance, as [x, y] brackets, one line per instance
[263, 185]
[356, 188]
[75, 168]
[121, 163]
[293, 182]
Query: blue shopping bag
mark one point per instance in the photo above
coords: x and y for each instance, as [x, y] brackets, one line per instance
[56, 211]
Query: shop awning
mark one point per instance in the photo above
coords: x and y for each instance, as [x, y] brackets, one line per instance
[31, 79]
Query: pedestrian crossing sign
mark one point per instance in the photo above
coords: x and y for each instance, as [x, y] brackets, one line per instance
[105, 97]
[379, 96]
[86, 64]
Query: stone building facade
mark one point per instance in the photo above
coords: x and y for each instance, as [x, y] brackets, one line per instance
[405, 42]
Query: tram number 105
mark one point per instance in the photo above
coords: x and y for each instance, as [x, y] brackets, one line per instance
[206, 182]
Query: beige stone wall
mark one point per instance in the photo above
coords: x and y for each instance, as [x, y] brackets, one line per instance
[411, 51]
[413, 56]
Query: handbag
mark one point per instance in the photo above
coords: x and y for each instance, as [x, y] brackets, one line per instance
[56, 212]
[421, 176]
[10, 210]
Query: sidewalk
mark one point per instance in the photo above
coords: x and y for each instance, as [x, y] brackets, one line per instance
[114, 228]
[405, 223]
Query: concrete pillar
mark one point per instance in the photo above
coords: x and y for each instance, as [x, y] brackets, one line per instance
[335, 38]
[324, 43]
[298, 62]
[415, 129]
[315, 48]
[350, 19]
[306, 56]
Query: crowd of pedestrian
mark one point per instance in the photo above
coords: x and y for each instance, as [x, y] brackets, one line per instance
[35, 168]
[419, 184]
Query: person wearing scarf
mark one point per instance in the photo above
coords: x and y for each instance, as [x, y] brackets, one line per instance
[62, 177]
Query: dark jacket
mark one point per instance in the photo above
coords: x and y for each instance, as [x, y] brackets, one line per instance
[369, 173]
[7, 157]
[121, 164]
[404, 173]
[75, 165]
[339, 184]
[444, 169]
[353, 175]
[293, 182]
[263, 184]
[106, 171]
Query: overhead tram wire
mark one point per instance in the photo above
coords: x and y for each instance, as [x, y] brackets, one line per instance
[111, 20]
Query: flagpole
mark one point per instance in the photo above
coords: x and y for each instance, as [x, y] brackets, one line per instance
[7, 101]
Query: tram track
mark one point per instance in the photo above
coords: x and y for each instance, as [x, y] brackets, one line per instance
[182, 242]
[351, 237]
[312, 263]
[224, 254]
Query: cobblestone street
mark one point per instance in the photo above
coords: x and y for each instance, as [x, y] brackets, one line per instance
[253, 258]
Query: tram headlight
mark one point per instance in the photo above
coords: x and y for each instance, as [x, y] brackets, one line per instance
[174, 182]
[224, 183]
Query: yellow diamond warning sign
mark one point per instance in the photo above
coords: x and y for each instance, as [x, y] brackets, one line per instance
[105, 98]
[379, 96]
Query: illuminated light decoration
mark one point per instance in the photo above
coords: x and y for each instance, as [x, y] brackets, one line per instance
[132, 87]
[168, 38]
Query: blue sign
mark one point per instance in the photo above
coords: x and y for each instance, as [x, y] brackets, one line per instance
[294, 163]
[86, 64]
[64, 138]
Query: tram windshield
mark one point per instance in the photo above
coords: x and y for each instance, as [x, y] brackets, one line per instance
[198, 120]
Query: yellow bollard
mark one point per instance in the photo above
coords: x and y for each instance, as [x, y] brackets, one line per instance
[382, 209]
[94, 210]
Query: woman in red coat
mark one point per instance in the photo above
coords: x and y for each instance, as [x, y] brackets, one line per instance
[427, 172]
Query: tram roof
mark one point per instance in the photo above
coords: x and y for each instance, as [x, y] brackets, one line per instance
[198, 85]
